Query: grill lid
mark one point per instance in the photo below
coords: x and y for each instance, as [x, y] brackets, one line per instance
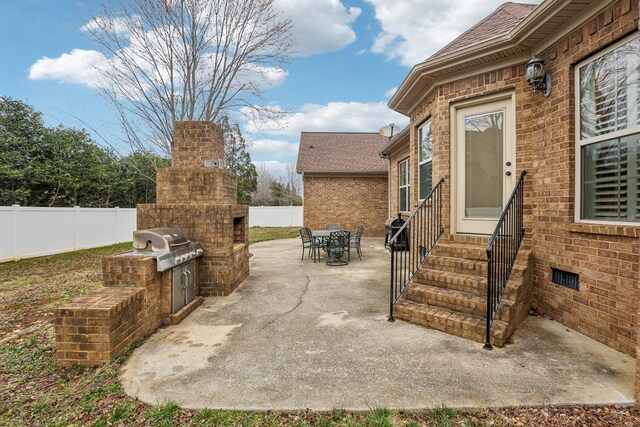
[164, 239]
[394, 222]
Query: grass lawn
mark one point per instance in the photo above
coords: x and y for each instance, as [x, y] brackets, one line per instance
[262, 234]
[34, 391]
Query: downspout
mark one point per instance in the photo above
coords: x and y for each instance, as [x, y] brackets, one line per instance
[388, 187]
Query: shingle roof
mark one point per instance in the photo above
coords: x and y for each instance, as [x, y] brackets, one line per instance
[341, 152]
[500, 22]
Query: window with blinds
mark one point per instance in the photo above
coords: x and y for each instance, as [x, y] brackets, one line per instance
[403, 186]
[424, 159]
[609, 139]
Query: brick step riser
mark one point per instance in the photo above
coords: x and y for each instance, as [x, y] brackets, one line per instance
[424, 296]
[472, 254]
[428, 295]
[444, 324]
[476, 287]
[475, 269]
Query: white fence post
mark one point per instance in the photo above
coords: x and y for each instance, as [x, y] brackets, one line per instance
[76, 213]
[14, 237]
[115, 225]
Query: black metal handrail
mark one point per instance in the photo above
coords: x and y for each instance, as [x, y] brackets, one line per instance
[502, 251]
[413, 241]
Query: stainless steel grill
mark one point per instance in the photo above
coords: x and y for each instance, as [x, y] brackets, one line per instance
[170, 246]
[391, 227]
[173, 251]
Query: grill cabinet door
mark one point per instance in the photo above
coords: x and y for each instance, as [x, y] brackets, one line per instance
[178, 285]
[191, 281]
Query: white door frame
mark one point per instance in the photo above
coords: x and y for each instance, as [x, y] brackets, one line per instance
[510, 137]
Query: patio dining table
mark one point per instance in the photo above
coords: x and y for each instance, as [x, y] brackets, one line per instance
[319, 236]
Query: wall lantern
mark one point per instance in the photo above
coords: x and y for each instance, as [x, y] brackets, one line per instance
[537, 76]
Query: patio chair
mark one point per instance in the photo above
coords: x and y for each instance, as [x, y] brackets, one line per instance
[336, 245]
[354, 242]
[332, 226]
[308, 242]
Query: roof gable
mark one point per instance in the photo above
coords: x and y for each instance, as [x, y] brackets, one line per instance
[480, 50]
[504, 19]
[341, 152]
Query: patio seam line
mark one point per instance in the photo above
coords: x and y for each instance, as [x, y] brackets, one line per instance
[298, 304]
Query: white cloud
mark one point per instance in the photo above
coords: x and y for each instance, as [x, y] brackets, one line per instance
[261, 77]
[79, 67]
[332, 117]
[412, 30]
[320, 25]
[88, 68]
[391, 91]
[272, 148]
[116, 24]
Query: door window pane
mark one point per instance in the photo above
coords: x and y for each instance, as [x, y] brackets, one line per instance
[425, 179]
[484, 136]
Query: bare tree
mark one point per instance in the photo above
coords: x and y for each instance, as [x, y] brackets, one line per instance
[176, 60]
[292, 178]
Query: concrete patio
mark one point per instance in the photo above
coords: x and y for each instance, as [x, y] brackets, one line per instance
[298, 334]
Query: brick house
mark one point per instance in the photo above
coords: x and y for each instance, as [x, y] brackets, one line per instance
[344, 179]
[476, 123]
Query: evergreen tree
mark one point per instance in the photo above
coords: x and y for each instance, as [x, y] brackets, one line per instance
[237, 159]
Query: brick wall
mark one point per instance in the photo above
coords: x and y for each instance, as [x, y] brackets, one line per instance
[347, 200]
[140, 272]
[190, 184]
[195, 142]
[607, 258]
[97, 326]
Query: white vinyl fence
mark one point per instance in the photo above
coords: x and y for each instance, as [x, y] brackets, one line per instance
[30, 232]
[275, 216]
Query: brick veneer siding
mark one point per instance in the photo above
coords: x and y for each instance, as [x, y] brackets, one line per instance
[347, 200]
[97, 326]
[607, 258]
[608, 262]
[195, 142]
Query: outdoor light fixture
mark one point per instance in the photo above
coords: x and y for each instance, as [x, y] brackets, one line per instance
[537, 76]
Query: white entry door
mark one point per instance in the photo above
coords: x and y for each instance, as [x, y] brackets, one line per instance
[484, 163]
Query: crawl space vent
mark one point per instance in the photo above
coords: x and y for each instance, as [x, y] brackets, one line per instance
[565, 278]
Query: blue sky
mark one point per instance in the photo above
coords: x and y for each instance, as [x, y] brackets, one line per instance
[352, 54]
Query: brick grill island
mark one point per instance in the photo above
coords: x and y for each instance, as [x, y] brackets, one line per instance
[200, 201]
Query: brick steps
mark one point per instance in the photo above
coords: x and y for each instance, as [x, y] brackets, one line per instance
[457, 265]
[449, 280]
[450, 321]
[449, 293]
[450, 299]
[461, 250]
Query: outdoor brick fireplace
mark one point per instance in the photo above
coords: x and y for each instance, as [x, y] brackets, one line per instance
[201, 201]
[197, 196]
